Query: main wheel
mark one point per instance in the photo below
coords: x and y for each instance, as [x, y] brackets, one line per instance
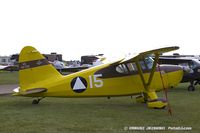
[191, 88]
[35, 101]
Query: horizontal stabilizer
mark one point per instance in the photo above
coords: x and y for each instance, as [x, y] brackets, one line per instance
[33, 91]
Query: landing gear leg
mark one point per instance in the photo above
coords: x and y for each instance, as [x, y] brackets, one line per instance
[152, 100]
[142, 98]
[155, 102]
[191, 87]
[36, 101]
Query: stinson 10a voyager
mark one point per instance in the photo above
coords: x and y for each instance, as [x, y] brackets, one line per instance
[138, 75]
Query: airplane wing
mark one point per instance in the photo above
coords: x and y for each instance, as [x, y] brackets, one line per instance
[147, 53]
[136, 59]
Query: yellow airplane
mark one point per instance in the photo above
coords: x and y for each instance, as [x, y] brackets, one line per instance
[139, 75]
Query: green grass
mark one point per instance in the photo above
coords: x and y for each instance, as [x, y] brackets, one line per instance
[8, 77]
[61, 115]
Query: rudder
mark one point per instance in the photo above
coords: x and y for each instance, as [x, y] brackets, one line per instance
[34, 67]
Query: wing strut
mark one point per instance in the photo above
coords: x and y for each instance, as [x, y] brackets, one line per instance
[146, 85]
[150, 96]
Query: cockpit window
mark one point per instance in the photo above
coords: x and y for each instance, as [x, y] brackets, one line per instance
[192, 64]
[146, 64]
[132, 67]
[143, 65]
[149, 62]
[122, 69]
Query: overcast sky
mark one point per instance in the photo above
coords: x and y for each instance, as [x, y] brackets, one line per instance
[113, 27]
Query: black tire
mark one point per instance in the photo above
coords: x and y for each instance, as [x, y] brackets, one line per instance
[191, 88]
[160, 108]
[35, 101]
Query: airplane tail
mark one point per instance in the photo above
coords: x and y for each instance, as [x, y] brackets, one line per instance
[34, 67]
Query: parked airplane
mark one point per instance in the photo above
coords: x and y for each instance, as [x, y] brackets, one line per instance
[2, 67]
[8, 68]
[138, 75]
[187, 62]
[87, 61]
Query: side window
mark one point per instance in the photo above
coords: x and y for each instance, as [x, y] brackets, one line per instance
[149, 62]
[132, 67]
[122, 69]
[146, 63]
[142, 64]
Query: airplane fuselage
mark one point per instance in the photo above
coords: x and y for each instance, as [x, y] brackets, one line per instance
[97, 82]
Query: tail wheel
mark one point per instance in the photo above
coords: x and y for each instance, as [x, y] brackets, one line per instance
[191, 88]
[35, 101]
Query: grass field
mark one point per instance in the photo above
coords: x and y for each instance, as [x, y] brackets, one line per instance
[8, 77]
[68, 115]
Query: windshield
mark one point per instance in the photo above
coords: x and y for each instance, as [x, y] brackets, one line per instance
[149, 62]
[194, 63]
[146, 64]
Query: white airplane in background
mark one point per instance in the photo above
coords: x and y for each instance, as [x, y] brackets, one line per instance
[2, 67]
[58, 64]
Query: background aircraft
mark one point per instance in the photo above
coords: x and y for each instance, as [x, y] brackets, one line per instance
[137, 75]
[9, 68]
[187, 62]
[2, 67]
[87, 61]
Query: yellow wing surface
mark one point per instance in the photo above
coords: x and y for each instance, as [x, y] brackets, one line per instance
[150, 52]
